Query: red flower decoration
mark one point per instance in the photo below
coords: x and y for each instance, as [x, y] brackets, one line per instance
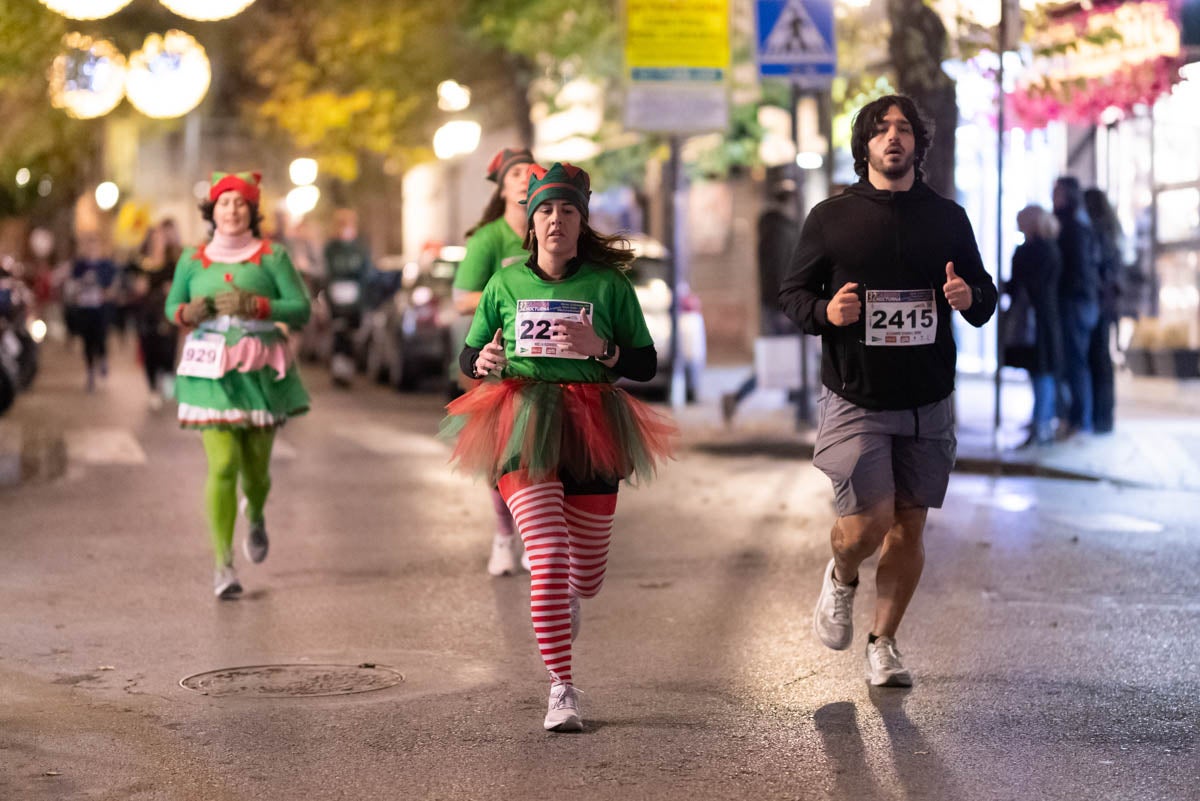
[229, 278]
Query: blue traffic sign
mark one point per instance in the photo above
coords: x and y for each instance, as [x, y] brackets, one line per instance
[795, 40]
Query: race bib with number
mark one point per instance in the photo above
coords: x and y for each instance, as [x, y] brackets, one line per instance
[203, 356]
[902, 317]
[344, 293]
[534, 320]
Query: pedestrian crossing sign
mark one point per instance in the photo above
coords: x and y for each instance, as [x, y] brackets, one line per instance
[796, 40]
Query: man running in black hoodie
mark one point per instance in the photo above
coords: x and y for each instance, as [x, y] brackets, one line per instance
[877, 273]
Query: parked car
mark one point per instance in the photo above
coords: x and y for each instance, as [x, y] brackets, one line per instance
[19, 337]
[650, 273]
[417, 334]
[407, 337]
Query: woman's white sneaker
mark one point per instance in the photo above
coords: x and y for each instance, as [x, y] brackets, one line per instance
[226, 584]
[503, 561]
[562, 713]
[884, 668]
[833, 619]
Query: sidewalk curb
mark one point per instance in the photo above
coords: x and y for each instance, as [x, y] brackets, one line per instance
[801, 450]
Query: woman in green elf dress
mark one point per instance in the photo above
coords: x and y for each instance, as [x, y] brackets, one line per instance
[236, 381]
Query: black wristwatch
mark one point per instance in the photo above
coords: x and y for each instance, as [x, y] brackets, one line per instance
[610, 350]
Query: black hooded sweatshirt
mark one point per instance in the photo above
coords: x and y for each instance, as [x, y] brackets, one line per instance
[885, 240]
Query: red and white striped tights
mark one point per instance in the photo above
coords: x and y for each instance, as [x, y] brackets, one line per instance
[566, 537]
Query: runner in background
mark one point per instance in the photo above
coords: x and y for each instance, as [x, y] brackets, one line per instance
[348, 264]
[496, 242]
[236, 381]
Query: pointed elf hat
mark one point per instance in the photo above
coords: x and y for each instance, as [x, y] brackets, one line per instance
[560, 182]
[244, 183]
[504, 159]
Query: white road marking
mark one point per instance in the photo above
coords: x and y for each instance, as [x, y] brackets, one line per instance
[104, 446]
[388, 441]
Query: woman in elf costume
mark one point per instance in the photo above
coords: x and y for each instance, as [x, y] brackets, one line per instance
[555, 433]
[497, 241]
[236, 382]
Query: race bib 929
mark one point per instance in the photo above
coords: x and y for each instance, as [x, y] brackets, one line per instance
[534, 321]
[901, 317]
[203, 356]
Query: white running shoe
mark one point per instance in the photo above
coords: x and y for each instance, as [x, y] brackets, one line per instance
[562, 713]
[884, 668]
[576, 622]
[503, 561]
[226, 584]
[256, 544]
[833, 619]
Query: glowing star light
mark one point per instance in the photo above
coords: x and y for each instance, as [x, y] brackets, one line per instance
[207, 10]
[169, 76]
[85, 9]
[88, 79]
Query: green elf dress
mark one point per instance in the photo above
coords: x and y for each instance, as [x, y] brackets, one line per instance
[238, 373]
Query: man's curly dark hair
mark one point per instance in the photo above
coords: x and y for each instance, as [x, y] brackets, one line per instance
[863, 129]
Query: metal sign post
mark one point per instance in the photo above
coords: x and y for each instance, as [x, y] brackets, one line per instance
[677, 58]
[796, 42]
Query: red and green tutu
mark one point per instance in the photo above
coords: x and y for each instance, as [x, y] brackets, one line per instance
[590, 430]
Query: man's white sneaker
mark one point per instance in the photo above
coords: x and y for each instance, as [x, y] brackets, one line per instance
[562, 713]
[833, 619]
[884, 668]
[226, 584]
[503, 562]
[573, 602]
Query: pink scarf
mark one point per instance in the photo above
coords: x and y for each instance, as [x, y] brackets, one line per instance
[232, 249]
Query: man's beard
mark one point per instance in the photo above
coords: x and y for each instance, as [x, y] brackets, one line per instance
[898, 171]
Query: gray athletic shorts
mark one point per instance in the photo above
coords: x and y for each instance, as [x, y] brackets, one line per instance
[869, 455]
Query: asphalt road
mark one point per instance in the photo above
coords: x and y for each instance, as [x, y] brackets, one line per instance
[1053, 637]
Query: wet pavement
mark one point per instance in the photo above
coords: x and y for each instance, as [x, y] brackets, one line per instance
[1052, 638]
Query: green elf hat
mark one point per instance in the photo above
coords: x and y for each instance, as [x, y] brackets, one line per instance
[560, 182]
[244, 183]
[504, 159]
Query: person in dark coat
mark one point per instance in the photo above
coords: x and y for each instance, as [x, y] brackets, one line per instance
[1078, 299]
[1111, 241]
[778, 233]
[1033, 289]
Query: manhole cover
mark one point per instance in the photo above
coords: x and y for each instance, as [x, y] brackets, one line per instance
[293, 681]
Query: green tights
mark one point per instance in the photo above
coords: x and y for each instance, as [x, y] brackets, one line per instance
[244, 451]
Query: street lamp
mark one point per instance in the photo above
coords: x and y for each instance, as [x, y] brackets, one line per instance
[85, 9]
[456, 138]
[169, 76]
[88, 79]
[107, 195]
[207, 10]
[453, 140]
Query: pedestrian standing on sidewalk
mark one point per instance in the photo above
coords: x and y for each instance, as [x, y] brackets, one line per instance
[877, 274]
[1110, 241]
[236, 382]
[555, 434]
[777, 235]
[1079, 304]
[1036, 269]
[497, 241]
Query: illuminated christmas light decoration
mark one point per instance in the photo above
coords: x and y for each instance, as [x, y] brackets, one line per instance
[87, 80]
[169, 76]
[207, 10]
[85, 9]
